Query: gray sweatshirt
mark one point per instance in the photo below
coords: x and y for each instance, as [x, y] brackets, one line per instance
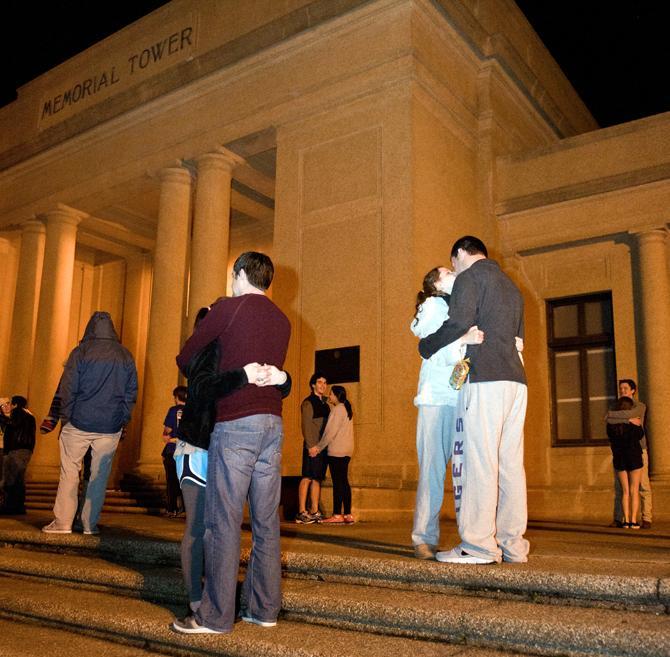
[484, 296]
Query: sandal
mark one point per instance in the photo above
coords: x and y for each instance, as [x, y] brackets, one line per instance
[348, 519]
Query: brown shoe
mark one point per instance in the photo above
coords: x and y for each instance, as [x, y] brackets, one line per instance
[646, 524]
[425, 552]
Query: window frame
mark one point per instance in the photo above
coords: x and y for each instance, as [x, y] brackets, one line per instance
[581, 344]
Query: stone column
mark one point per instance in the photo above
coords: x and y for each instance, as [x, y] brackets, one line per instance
[136, 305]
[656, 340]
[166, 314]
[211, 229]
[28, 280]
[51, 333]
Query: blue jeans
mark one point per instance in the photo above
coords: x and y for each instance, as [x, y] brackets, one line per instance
[244, 463]
[435, 429]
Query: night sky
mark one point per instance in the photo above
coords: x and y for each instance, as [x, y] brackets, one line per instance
[615, 52]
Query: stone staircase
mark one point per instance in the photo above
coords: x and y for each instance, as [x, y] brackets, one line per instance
[124, 591]
[130, 498]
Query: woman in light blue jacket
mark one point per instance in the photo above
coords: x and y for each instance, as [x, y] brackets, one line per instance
[436, 402]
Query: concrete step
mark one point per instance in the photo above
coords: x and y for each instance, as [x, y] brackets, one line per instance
[108, 508]
[41, 496]
[503, 623]
[63, 613]
[20, 639]
[557, 586]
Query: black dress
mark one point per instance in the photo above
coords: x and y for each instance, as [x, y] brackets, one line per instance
[625, 443]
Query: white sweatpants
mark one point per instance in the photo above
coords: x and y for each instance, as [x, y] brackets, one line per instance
[487, 470]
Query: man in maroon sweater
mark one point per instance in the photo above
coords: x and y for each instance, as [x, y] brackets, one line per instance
[244, 453]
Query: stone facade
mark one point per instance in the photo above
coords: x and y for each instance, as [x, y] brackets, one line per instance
[353, 141]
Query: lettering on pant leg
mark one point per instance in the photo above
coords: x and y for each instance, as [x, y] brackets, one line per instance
[457, 466]
[458, 490]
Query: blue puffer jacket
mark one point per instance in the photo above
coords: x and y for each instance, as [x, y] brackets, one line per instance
[98, 388]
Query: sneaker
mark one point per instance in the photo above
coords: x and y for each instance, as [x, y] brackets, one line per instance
[348, 519]
[304, 518]
[317, 515]
[91, 532]
[461, 556]
[646, 524]
[425, 551]
[336, 519]
[257, 621]
[53, 528]
[189, 625]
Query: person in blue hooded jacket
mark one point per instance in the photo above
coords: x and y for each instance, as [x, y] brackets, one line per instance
[97, 391]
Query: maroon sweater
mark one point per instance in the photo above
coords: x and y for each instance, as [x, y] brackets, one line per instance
[249, 329]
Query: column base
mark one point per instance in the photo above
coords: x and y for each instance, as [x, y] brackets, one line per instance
[147, 471]
[660, 495]
[40, 472]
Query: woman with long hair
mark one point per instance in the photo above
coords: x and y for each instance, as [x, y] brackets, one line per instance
[436, 401]
[624, 430]
[338, 439]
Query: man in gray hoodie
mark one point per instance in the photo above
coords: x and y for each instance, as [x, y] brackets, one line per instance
[487, 465]
[97, 392]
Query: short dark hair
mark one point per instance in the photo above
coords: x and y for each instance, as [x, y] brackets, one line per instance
[180, 393]
[624, 404]
[469, 244]
[257, 266]
[630, 382]
[19, 401]
[315, 377]
[200, 315]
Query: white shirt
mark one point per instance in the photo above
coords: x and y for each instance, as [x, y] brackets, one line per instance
[434, 388]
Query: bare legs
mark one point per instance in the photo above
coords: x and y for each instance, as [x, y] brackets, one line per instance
[314, 495]
[630, 498]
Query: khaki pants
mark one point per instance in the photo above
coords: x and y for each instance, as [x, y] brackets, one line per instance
[73, 446]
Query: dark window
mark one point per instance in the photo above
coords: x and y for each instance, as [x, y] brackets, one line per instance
[341, 365]
[583, 367]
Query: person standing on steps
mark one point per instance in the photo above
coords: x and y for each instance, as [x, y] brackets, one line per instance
[97, 392]
[314, 412]
[338, 439]
[487, 464]
[628, 388]
[244, 453]
[436, 402]
[19, 427]
[171, 434]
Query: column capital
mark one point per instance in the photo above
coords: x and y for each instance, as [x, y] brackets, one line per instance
[64, 214]
[178, 174]
[33, 225]
[650, 233]
[221, 159]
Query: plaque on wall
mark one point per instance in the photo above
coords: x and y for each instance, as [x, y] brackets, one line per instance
[339, 365]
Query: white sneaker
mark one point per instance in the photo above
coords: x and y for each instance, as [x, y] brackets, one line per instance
[256, 621]
[53, 528]
[189, 625]
[456, 555]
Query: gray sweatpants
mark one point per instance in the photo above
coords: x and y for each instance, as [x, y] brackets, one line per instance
[487, 470]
